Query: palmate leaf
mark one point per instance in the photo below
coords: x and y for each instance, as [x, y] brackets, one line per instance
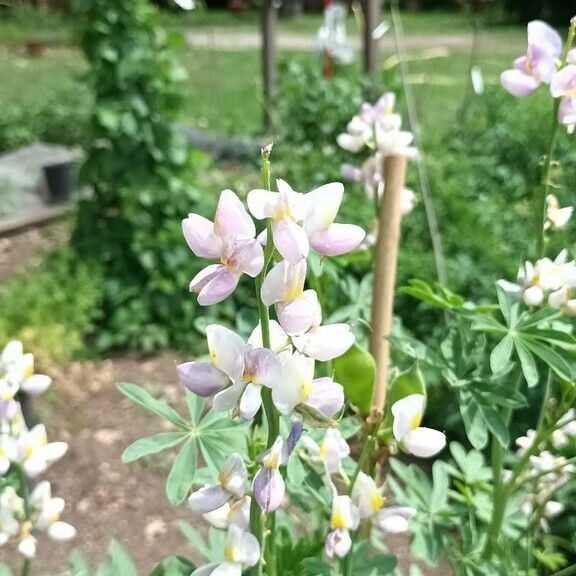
[152, 445]
[174, 566]
[182, 473]
[118, 561]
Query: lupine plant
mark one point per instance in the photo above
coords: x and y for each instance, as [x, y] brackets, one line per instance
[288, 483]
[26, 504]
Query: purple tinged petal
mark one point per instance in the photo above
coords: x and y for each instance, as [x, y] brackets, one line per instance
[290, 240]
[542, 64]
[200, 237]
[327, 396]
[351, 172]
[8, 409]
[228, 399]
[248, 257]
[338, 543]
[220, 286]
[564, 81]
[518, 83]
[297, 317]
[208, 498]
[295, 433]
[338, 239]
[202, 378]
[263, 366]
[545, 37]
[268, 488]
[231, 219]
[567, 112]
[204, 276]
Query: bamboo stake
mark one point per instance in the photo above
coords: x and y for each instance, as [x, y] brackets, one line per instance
[386, 260]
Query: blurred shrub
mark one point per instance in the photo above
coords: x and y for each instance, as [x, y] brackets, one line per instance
[141, 177]
[60, 119]
[52, 309]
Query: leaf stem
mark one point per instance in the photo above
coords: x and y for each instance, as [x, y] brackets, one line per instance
[26, 568]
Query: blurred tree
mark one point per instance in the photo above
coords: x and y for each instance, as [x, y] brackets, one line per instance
[139, 173]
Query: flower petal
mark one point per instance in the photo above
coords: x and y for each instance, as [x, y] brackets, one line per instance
[323, 205]
[269, 488]
[36, 384]
[325, 343]
[200, 237]
[226, 350]
[337, 239]
[228, 399]
[202, 378]
[218, 288]
[61, 531]
[263, 365]
[208, 498]
[231, 219]
[518, 83]
[290, 240]
[279, 340]
[248, 257]
[250, 402]
[544, 36]
[262, 203]
[327, 396]
[300, 315]
[284, 282]
[424, 442]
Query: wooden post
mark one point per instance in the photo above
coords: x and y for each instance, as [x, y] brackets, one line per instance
[268, 60]
[386, 260]
[372, 18]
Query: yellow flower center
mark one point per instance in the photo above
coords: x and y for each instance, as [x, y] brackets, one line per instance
[305, 391]
[377, 501]
[294, 292]
[415, 421]
[230, 554]
[338, 520]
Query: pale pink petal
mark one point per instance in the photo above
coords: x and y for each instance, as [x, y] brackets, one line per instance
[248, 257]
[544, 36]
[324, 203]
[284, 282]
[218, 288]
[290, 240]
[567, 112]
[521, 63]
[200, 237]
[325, 343]
[542, 64]
[338, 543]
[202, 378]
[564, 81]
[262, 203]
[351, 172]
[338, 239]
[518, 83]
[208, 498]
[226, 350]
[327, 396]
[204, 276]
[297, 317]
[250, 402]
[263, 366]
[231, 219]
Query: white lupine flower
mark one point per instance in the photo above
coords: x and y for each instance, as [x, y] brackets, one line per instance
[556, 217]
[330, 452]
[35, 453]
[524, 443]
[17, 372]
[8, 452]
[233, 483]
[345, 517]
[11, 508]
[27, 544]
[422, 442]
[48, 511]
[236, 514]
[242, 551]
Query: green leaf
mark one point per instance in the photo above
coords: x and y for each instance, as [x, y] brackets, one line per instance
[118, 561]
[501, 353]
[473, 422]
[407, 383]
[528, 364]
[495, 423]
[144, 399]
[356, 371]
[78, 565]
[174, 566]
[552, 358]
[152, 445]
[5, 571]
[181, 475]
[542, 315]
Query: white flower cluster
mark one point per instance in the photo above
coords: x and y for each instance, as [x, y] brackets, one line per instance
[25, 454]
[377, 128]
[546, 281]
[548, 472]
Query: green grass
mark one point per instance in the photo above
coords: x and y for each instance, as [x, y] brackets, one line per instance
[223, 90]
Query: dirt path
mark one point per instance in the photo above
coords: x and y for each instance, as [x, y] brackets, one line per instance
[221, 38]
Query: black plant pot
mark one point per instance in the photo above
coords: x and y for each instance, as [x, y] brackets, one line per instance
[61, 179]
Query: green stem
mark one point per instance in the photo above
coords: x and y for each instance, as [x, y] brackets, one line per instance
[570, 571]
[26, 568]
[365, 455]
[545, 187]
[347, 563]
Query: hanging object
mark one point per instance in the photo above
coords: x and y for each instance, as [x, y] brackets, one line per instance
[333, 40]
